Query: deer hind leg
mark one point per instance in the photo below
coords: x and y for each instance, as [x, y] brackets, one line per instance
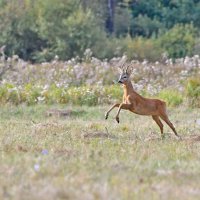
[166, 119]
[107, 113]
[157, 120]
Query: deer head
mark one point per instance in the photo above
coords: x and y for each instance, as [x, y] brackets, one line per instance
[126, 70]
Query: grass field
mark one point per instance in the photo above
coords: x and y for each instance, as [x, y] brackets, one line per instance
[82, 156]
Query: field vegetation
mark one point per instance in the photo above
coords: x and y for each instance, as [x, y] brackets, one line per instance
[91, 81]
[82, 156]
[56, 144]
[59, 62]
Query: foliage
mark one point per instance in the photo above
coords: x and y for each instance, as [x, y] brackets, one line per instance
[141, 48]
[193, 91]
[72, 34]
[39, 31]
[90, 82]
[172, 97]
[145, 26]
[18, 29]
[155, 16]
[122, 22]
[87, 95]
[32, 31]
[84, 95]
[179, 41]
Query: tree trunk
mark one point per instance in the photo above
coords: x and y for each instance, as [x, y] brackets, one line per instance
[111, 13]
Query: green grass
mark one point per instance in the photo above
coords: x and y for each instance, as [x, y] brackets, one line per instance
[72, 158]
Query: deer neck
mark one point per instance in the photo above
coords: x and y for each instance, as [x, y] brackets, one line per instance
[128, 88]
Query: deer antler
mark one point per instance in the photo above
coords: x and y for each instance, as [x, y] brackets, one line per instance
[122, 63]
[126, 70]
[123, 66]
[129, 68]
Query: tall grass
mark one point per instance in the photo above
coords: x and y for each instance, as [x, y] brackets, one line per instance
[172, 97]
[90, 95]
[193, 91]
[52, 158]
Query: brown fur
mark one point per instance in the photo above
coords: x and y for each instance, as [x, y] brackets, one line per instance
[135, 103]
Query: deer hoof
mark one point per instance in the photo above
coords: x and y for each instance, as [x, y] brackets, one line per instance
[106, 116]
[117, 119]
[179, 138]
[162, 136]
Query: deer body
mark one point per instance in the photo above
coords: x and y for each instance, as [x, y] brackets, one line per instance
[137, 104]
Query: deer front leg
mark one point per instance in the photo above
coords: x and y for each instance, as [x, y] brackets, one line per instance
[122, 106]
[115, 105]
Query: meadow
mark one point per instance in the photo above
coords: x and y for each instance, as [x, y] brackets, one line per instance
[83, 156]
[59, 71]
[79, 154]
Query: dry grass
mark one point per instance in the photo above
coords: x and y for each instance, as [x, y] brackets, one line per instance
[85, 157]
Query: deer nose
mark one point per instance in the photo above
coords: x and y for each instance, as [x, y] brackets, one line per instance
[119, 81]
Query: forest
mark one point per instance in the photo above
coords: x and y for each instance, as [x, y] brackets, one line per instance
[39, 30]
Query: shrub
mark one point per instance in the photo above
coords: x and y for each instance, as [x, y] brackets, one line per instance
[141, 48]
[138, 48]
[84, 95]
[88, 95]
[193, 92]
[10, 94]
[112, 93]
[179, 41]
[172, 97]
[30, 94]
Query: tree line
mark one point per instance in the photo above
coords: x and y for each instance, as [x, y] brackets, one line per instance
[39, 30]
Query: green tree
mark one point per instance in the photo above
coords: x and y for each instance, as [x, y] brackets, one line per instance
[179, 41]
[18, 29]
[68, 34]
[38, 30]
[162, 15]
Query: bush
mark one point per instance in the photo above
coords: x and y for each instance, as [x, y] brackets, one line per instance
[138, 48]
[179, 41]
[141, 48]
[113, 93]
[84, 95]
[44, 29]
[193, 92]
[9, 93]
[88, 95]
[172, 97]
[30, 94]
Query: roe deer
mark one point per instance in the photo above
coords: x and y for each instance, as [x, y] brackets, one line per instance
[135, 103]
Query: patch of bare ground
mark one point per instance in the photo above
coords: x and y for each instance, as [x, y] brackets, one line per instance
[63, 113]
[58, 113]
[45, 125]
[156, 136]
[192, 138]
[167, 191]
[98, 134]
[152, 136]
